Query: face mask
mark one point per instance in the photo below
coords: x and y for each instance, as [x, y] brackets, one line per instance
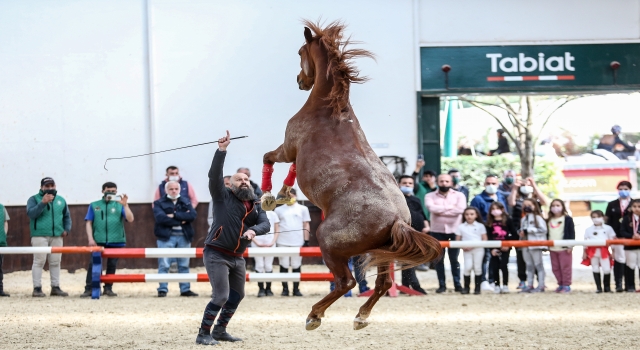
[491, 189]
[444, 188]
[496, 212]
[556, 210]
[509, 180]
[53, 192]
[406, 189]
[174, 178]
[174, 197]
[597, 221]
[526, 190]
[624, 193]
[527, 209]
[456, 180]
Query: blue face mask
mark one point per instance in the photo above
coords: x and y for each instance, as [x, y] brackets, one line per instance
[406, 190]
[624, 193]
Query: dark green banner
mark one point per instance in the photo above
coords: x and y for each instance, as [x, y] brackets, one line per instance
[533, 68]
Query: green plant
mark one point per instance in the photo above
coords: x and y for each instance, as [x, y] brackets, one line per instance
[547, 173]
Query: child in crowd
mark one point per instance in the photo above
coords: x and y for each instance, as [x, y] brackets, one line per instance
[472, 229]
[533, 227]
[561, 226]
[264, 264]
[599, 257]
[630, 228]
[500, 228]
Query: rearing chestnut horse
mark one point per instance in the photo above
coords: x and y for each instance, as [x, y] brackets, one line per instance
[365, 212]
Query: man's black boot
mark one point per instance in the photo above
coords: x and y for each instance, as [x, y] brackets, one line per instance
[267, 290]
[220, 333]
[606, 281]
[596, 277]
[3, 294]
[478, 281]
[467, 283]
[261, 292]
[204, 338]
[296, 285]
[629, 280]
[618, 273]
[285, 285]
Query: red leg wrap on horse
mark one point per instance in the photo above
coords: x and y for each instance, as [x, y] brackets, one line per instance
[290, 180]
[267, 171]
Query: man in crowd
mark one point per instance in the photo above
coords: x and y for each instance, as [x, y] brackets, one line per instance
[256, 188]
[446, 207]
[4, 219]
[521, 190]
[186, 190]
[482, 202]
[615, 211]
[239, 218]
[456, 178]
[294, 232]
[211, 215]
[418, 223]
[503, 144]
[427, 185]
[174, 215]
[507, 183]
[49, 223]
[105, 227]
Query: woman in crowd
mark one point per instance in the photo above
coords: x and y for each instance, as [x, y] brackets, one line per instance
[472, 229]
[630, 228]
[616, 210]
[533, 227]
[561, 226]
[500, 228]
[599, 257]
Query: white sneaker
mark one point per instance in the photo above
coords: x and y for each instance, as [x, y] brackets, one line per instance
[486, 286]
[496, 289]
[505, 289]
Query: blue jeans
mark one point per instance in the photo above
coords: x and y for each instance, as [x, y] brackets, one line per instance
[453, 260]
[183, 263]
[487, 273]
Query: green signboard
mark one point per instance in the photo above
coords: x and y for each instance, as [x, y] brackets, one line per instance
[532, 68]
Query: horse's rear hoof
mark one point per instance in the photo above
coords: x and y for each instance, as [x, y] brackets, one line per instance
[313, 323]
[268, 201]
[359, 323]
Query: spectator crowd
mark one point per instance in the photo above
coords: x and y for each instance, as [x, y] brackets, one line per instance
[509, 208]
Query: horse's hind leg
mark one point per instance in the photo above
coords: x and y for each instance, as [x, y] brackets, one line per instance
[383, 283]
[344, 282]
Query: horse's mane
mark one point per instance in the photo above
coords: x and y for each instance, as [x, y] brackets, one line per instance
[341, 68]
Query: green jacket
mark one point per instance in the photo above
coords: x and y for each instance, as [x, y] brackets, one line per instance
[50, 219]
[108, 223]
[3, 234]
[421, 190]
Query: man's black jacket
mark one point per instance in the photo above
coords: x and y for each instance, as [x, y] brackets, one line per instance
[232, 218]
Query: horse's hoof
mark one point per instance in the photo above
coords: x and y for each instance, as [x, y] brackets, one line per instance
[313, 323]
[268, 201]
[359, 323]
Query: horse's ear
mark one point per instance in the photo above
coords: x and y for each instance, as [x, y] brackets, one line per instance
[307, 35]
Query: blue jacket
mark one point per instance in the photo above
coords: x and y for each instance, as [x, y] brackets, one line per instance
[182, 211]
[483, 201]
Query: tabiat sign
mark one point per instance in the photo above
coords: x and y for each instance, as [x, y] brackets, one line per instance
[530, 68]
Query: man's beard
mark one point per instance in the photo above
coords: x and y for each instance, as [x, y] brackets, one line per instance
[243, 194]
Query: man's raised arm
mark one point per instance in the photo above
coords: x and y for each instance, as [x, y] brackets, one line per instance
[216, 181]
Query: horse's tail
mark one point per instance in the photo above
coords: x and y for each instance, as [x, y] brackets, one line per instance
[408, 247]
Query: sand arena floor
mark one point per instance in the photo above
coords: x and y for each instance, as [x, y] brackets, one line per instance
[137, 319]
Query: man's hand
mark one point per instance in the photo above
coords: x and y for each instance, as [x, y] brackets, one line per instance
[636, 236]
[125, 200]
[92, 243]
[494, 252]
[419, 165]
[249, 235]
[272, 244]
[170, 215]
[65, 233]
[224, 142]
[48, 198]
[531, 182]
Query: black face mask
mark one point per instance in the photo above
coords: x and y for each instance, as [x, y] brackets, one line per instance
[53, 192]
[444, 188]
[527, 209]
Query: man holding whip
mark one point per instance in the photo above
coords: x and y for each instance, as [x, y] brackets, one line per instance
[239, 217]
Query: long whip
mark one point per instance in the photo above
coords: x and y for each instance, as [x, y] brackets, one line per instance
[168, 150]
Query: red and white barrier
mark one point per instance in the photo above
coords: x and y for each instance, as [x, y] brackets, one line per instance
[49, 250]
[202, 277]
[197, 252]
[546, 243]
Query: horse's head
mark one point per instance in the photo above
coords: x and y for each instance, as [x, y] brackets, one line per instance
[307, 75]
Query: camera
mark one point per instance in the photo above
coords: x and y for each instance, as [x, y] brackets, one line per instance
[113, 197]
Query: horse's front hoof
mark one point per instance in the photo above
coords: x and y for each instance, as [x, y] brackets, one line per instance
[359, 323]
[313, 323]
[268, 201]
